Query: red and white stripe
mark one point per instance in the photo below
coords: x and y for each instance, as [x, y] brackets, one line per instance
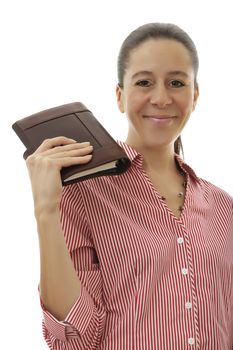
[150, 280]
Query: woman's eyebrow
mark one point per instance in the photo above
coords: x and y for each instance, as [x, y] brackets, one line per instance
[147, 72]
[178, 72]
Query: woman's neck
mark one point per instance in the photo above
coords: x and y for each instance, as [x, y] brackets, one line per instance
[157, 159]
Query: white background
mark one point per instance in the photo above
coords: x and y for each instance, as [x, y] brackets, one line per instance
[55, 52]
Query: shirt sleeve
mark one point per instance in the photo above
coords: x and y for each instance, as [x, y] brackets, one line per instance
[84, 325]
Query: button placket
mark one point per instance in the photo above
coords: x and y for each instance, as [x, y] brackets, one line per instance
[188, 304]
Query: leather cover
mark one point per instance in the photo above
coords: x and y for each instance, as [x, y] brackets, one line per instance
[76, 121]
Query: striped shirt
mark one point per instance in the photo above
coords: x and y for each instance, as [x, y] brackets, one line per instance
[149, 280]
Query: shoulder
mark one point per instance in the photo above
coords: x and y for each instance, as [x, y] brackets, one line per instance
[217, 193]
[214, 195]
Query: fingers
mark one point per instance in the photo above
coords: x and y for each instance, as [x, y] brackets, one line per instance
[72, 149]
[54, 142]
[60, 143]
[64, 153]
[68, 161]
[60, 152]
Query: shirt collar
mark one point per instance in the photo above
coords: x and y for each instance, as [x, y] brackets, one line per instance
[133, 155]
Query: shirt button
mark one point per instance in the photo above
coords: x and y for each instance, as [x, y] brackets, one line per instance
[184, 271]
[188, 305]
[191, 341]
[180, 240]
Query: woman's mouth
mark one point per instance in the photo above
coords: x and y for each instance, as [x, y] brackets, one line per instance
[160, 119]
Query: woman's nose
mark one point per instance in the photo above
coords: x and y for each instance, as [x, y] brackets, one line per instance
[160, 96]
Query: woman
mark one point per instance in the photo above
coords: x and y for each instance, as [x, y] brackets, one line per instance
[142, 260]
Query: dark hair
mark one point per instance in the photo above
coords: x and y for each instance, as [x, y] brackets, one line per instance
[156, 31]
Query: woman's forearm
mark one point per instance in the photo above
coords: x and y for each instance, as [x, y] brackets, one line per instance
[59, 284]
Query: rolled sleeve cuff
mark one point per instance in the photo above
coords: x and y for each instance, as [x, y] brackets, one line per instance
[77, 320]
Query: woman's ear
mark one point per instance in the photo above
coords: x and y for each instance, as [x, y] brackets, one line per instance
[195, 98]
[120, 98]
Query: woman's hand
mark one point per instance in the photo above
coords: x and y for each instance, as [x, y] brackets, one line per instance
[44, 167]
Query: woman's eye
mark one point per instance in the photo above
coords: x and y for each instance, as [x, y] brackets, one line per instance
[143, 83]
[176, 83]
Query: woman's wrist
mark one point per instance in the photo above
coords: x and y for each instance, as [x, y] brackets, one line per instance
[44, 212]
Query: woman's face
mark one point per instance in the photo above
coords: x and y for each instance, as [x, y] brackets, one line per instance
[158, 95]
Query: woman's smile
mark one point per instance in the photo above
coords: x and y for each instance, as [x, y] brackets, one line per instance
[160, 120]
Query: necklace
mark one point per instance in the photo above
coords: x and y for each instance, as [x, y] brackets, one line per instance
[181, 193]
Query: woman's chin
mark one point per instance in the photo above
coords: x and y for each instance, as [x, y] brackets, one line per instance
[158, 145]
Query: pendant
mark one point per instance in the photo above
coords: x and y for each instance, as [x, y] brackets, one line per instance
[184, 184]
